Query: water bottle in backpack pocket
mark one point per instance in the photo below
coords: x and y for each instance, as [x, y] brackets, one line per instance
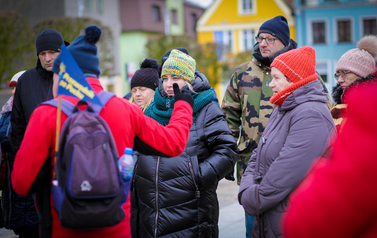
[126, 164]
[88, 191]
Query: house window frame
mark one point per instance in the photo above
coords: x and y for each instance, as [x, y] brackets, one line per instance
[241, 9]
[174, 16]
[352, 29]
[193, 20]
[365, 17]
[311, 33]
[88, 5]
[227, 44]
[250, 37]
[100, 6]
[158, 8]
[328, 71]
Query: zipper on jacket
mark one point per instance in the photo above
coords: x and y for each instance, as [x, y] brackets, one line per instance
[156, 217]
[197, 192]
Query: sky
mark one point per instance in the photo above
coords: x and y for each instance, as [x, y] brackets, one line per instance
[202, 3]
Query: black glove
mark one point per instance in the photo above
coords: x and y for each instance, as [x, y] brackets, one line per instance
[5, 145]
[230, 176]
[184, 95]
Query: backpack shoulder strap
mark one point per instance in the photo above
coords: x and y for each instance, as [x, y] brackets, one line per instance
[104, 97]
[66, 106]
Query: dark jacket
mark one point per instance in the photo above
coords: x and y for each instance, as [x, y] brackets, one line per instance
[18, 211]
[5, 126]
[33, 87]
[176, 197]
[295, 135]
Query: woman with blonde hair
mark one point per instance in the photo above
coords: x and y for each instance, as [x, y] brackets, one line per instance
[176, 197]
[144, 83]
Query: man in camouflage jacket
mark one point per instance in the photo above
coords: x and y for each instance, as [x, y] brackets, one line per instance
[247, 98]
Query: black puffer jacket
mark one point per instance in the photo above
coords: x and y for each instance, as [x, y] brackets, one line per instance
[176, 197]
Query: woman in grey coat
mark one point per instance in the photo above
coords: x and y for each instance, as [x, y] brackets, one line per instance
[295, 135]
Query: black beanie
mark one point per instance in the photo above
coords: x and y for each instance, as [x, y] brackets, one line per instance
[49, 39]
[277, 26]
[147, 76]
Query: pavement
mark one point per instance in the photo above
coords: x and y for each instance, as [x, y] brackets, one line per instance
[232, 214]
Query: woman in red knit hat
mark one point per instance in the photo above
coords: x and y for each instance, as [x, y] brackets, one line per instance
[296, 134]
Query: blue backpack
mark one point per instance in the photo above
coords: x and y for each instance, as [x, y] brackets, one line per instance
[88, 191]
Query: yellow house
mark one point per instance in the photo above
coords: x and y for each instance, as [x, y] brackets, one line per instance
[235, 23]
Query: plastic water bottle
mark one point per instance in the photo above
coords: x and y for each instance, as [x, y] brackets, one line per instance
[126, 164]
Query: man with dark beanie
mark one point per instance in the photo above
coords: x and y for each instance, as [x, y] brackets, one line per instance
[33, 87]
[246, 100]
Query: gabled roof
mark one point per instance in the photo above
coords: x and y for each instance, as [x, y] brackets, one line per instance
[283, 6]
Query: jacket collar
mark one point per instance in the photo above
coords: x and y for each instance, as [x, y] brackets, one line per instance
[312, 91]
[44, 73]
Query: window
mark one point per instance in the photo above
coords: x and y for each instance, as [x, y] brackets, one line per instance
[246, 6]
[369, 26]
[88, 5]
[228, 38]
[156, 13]
[248, 40]
[174, 16]
[319, 32]
[224, 41]
[344, 30]
[194, 19]
[100, 6]
[322, 71]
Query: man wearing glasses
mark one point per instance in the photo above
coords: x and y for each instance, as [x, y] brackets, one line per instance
[246, 100]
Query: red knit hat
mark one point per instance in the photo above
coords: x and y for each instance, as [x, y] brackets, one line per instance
[298, 65]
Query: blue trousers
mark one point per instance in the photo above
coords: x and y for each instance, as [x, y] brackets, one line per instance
[249, 223]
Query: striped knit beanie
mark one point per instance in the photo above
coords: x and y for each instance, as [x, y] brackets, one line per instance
[298, 65]
[181, 65]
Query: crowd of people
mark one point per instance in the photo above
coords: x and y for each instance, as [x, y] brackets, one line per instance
[304, 166]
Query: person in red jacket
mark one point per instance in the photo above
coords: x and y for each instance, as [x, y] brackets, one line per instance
[338, 196]
[33, 166]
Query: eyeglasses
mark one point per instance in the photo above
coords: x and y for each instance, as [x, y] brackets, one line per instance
[342, 73]
[269, 40]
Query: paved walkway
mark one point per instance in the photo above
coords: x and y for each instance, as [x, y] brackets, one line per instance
[232, 215]
[231, 220]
